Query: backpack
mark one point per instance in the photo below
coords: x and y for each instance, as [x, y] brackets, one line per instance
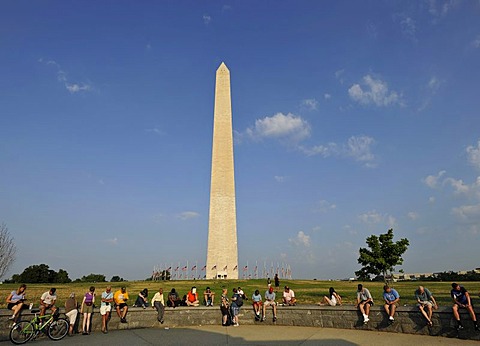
[239, 300]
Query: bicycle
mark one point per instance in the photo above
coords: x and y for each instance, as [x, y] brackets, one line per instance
[56, 328]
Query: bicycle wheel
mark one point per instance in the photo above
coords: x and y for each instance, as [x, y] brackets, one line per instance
[58, 329]
[21, 332]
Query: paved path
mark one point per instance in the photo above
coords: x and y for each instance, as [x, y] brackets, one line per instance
[251, 335]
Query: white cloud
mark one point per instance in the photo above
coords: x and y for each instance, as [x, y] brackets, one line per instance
[440, 8]
[374, 91]
[327, 96]
[458, 185]
[301, 239]
[413, 215]
[408, 26]
[357, 147]
[371, 217]
[75, 88]
[62, 77]
[339, 75]
[226, 8]
[280, 179]
[476, 42]
[432, 180]
[326, 150]
[374, 218]
[360, 148]
[467, 213]
[155, 130]
[473, 155]
[112, 241]
[434, 84]
[324, 206]
[282, 126]
[206, 19]
[310, 104]
[188, 215]
[431, 199]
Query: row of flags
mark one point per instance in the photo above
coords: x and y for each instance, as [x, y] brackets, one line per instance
[183, 272]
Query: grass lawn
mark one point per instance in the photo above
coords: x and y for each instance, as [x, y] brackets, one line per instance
[306, 291]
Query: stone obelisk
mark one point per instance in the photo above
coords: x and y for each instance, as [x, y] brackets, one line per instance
[222, 253]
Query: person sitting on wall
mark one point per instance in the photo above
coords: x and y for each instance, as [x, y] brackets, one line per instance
[142, 299]
[47, 301]
[426, 301]
[173, 299]
[270, 301]
[15, 302]
[391, 298]
[209, 297]
[333, 298]
[461, 299]
[120, 297]
[364, 302]
[192, 297]
[289, 296]
[257, 304]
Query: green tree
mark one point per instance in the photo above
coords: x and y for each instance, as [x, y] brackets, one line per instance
[37, 273]
[93, 278]
[116, 278]
[62, 277]
[382, 256]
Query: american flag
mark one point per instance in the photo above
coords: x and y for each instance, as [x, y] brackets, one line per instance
[176, 269]
[236, 267]
[204, 267]
[194, 267]
[214, 267]
[184, 268]
[225, 268]
[245, 268]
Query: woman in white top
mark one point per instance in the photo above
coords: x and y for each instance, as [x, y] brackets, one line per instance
[333, 300]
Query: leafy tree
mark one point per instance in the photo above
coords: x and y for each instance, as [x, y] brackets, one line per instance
[93, 278]
[384, 254]
[37, 273]
[62, 277]
[116, 278]
[7, 249]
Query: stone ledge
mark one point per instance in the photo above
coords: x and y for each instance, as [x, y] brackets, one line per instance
[407, 320]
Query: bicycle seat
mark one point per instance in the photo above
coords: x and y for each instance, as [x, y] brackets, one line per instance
[34, 311]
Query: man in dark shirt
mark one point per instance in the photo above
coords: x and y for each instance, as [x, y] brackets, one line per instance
[461, 299]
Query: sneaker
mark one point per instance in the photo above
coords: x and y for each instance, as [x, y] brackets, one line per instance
[11, 317]
[263, 318]
[391, 318]
[366, 320]
[274, 318]
[236, 325]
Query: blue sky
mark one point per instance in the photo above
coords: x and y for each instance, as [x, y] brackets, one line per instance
[349, 118]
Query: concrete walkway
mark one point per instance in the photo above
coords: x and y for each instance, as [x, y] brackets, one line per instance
[251, 335]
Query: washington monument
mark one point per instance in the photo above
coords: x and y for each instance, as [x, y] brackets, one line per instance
[222, 253]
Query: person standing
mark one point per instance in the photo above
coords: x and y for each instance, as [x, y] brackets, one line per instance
[426, 301]
[159, 304]
[87, 309]
[237, 302]
[364, 302]
[461, 300]
[391, 297]
[225, 307]
[277, 281]
[15, 302]
[71, 311]
[106, 307]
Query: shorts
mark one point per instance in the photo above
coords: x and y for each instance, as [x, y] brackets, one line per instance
[104, 309]
[121, 305]
[257, 303]
[11, 305]
[428, 303]
[224, 310]
[235, 310]
[364, 301]
[72, 316]
[269, 303]
[87, 309]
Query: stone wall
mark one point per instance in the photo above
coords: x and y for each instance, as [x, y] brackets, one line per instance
[407, 319]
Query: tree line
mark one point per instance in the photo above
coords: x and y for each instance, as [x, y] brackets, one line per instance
[41, 273]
